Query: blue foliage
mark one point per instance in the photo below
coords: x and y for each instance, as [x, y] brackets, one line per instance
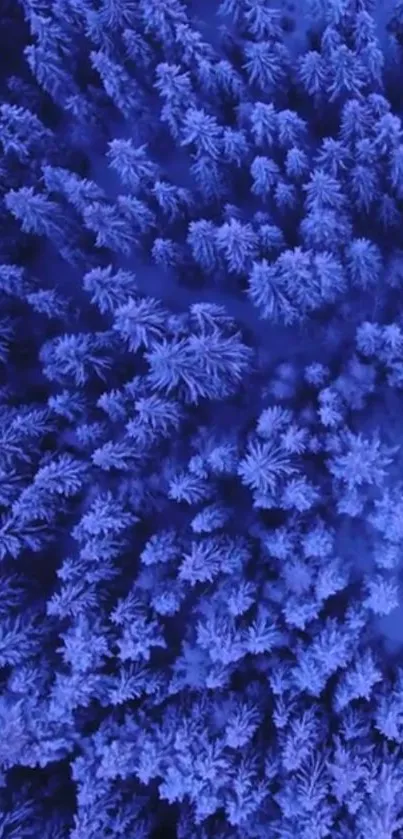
[76, 357]
[266, 64]
[140, 322]
[119, 86]
[208, 365]
[201, 360]
[109, 289]
[35, 212]
[111, 227]
[78, 191]
[364, 263]
[201, 238]
[264, 466]
[358, 682]
[237, 242]
[359, 461]
[22, 133]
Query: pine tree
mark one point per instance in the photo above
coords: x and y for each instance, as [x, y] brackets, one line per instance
[161, 17]
[262, 22]
[175, 88]
[326, 230]
[76, 357]
[313, 73]
[13, 281]
[136, 212]
[356, 122]
[323, 192]
[109, 289]
[264, 466]
[266, 64]
[296, 164]
[365, 187]
[235, 146]
[132, 164]
[117, 14]
[208, 177]
[232, 9]
[119, 86]
[202, 366]
[201, 130]
[265, 174]
[156, 417]
[333, 157]
[292, 129]
[36, 213]
[194, 50]
[346, 74]
[267, 291]
[140, 322]
[238, 243]
[361, 461]
[22, 133]
[383, 595]
[364, 263]
[226, 81]
[171, 199]
[47, 66]
[211, 518]
[138, 49]
[358, 682]
[264, 124]
[49, 303]
[201, 238]
[112, 229]
[167, 253]
[77, 191]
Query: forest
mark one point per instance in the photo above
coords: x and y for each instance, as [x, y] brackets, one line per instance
[201, 393]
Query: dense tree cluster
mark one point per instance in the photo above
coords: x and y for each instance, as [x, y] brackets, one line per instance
[201, 360]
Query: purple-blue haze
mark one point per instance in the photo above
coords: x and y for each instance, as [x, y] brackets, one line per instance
[201, 446]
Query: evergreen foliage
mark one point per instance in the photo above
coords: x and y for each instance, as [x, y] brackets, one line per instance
[201, 362]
